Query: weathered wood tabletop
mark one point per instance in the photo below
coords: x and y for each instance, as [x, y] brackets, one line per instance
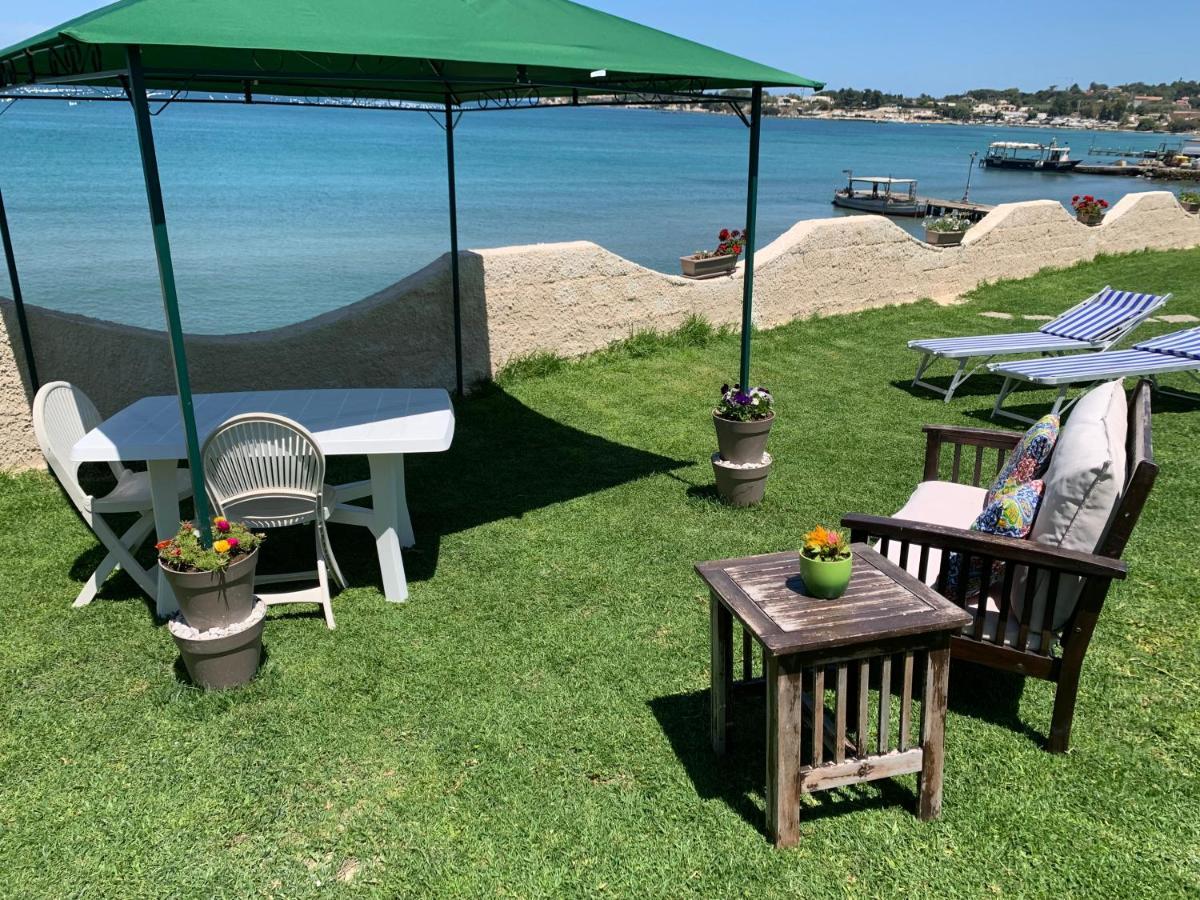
[766, 594]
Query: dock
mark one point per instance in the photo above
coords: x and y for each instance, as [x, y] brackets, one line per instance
[973, 212]
[1162, 151]
[1166, 173]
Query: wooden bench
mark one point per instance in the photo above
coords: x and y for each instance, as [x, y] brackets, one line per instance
[1058, 655]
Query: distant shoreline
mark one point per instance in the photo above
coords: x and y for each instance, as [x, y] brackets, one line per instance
[889, 120]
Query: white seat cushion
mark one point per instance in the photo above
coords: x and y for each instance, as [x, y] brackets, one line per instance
[1084, 484]
[132, 493]
[1012, 628]
[937, 503]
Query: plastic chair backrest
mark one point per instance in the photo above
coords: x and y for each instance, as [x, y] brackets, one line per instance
[264, 470]
[62, 414]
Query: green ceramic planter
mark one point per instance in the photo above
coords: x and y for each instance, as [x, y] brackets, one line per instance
[826, 579]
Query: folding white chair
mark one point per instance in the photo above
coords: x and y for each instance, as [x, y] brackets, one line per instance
[62, 414]
[268, 472]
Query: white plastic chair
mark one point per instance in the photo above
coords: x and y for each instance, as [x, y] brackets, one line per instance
[62, 414]
[268, 472]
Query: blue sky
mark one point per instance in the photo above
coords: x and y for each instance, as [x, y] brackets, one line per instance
[935, 47]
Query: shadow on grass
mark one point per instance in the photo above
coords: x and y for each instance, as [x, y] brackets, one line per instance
[738, 777]
[990, 695]
[506, 460]
[975, 386]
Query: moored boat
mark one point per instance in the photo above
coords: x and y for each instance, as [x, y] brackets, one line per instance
[886, 196]
[1036, 157]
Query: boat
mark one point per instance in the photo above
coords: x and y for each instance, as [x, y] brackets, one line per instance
[1037, 157]
[886, 196]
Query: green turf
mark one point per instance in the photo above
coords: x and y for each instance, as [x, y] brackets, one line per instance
[533, 722]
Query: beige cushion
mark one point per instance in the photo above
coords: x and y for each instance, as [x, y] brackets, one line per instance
[1012, 628]
[937, 503]
[1083, 486]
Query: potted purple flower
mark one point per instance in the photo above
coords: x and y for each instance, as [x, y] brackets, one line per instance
[743, 421]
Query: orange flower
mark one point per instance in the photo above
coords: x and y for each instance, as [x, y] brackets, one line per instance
[221, 546]
[162, 545]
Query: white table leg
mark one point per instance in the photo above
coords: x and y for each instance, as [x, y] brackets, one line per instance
[165, 492]
[392, 525]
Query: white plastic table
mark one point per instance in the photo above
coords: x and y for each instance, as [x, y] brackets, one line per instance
[382, 423]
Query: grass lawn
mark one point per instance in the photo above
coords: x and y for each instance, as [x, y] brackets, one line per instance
[534, 720]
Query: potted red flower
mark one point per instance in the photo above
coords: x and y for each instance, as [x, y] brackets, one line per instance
[707, 263]
[219, 626]
[1088, 209]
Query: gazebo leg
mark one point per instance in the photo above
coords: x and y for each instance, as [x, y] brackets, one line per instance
[166, 280]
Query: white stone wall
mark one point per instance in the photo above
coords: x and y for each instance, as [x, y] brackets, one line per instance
[570, 298]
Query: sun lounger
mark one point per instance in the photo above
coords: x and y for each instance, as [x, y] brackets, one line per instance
[1095, 324]
[1178, 351]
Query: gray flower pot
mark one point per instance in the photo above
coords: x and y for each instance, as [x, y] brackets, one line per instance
[706, 267]
[741, 485]
[1190, 207]
[1094, 219]
[215, 599]
[743, 442]
[217, 664]
[943, 238]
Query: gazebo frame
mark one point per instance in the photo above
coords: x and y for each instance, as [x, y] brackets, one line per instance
[70, 66]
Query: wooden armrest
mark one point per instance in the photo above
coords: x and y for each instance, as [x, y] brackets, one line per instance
[974, 437]
[993, 546]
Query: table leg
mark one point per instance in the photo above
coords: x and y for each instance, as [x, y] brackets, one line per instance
[391, 525]
[784, 709]
[933, 727]
[164, 491]
[721, 672]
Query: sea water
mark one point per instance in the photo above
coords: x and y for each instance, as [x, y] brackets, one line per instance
[279, 214]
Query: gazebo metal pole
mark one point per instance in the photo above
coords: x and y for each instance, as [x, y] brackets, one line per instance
[455, 287]
[166, 280]
[18, 298]
[750, 229]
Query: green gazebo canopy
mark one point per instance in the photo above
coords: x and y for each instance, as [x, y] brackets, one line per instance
[405, 49]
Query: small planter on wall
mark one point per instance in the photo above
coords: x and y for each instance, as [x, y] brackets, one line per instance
[716, 262]
[1089, 210]
[944, 238]
[707, 266]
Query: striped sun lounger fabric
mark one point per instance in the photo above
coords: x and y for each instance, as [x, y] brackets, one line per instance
[1094, 366]
[1178, 343]
[1108, 312]
[985, 345]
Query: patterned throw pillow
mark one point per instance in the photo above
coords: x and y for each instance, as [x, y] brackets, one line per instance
[1010, 513]
[1029, 458]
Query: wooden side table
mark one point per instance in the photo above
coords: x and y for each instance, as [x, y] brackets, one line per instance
[885, 635]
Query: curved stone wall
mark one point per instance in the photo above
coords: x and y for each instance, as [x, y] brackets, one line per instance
[570, 298]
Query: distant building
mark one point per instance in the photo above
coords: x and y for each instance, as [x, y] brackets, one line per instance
[1141, 99]
[1183, 103]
